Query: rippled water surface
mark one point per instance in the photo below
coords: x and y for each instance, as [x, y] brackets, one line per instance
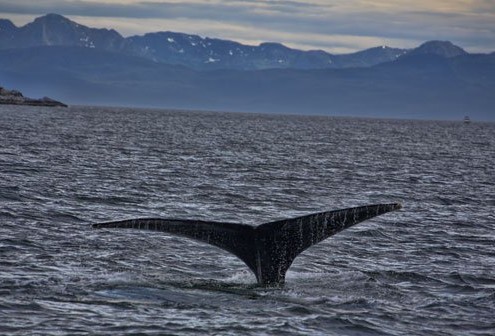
[428, 269]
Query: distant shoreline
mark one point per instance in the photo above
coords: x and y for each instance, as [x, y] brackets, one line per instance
[14, 97]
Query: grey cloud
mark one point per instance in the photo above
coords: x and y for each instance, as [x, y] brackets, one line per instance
[145, 9]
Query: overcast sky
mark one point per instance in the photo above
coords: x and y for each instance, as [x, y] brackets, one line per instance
[336, 26]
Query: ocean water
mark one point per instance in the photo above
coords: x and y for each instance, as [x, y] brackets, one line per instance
[428, 269]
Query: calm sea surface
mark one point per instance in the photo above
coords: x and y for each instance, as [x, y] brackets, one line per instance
[428, 269]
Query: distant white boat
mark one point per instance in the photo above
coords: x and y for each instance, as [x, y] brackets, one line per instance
[467, 120]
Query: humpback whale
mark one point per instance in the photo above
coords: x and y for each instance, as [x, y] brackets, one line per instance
[268, 249]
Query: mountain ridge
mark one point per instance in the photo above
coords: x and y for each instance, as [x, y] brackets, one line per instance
[200, 53]
[419, 86]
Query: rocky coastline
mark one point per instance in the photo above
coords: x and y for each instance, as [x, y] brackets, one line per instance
[14, 97]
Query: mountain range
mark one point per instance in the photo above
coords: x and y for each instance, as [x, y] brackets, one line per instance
[81, 65]
[177, 48]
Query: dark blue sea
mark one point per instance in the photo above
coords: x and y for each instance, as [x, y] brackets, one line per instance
[428, 269]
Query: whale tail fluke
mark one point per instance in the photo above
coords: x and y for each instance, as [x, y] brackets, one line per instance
[268, 249]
